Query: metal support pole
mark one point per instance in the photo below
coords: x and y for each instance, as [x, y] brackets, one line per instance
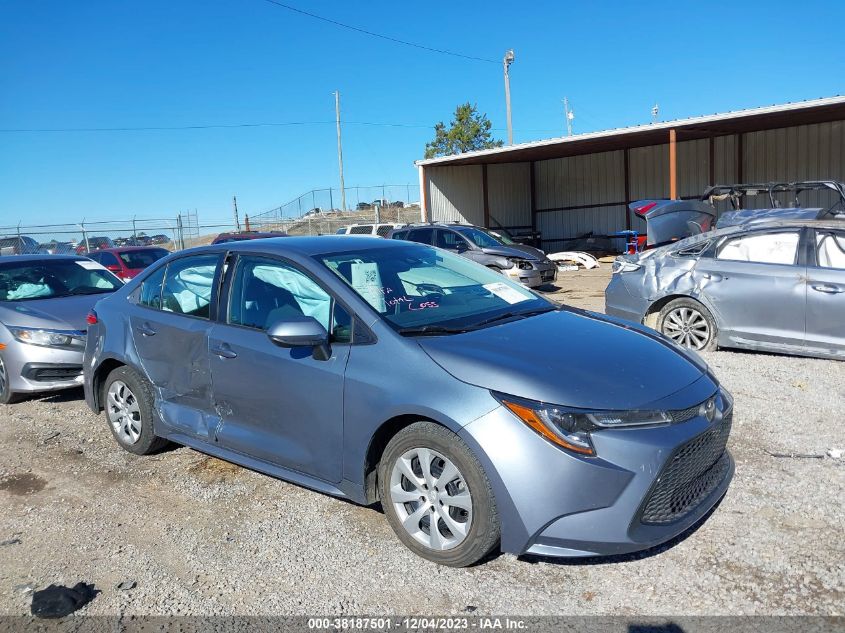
[378, 213]
[179, 232]
[339, 151]
[235, 210]
[85, 236]
[673, 165]
[507, 60]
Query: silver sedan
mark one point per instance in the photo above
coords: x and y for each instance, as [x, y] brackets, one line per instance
[773, 286]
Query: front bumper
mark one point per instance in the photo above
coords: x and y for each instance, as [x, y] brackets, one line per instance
[553, 503]
[540, 274]
[33, 368]
[619, 302]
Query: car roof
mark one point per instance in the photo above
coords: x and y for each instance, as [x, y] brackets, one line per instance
[307, 246]
[39, 257]
[124, 249]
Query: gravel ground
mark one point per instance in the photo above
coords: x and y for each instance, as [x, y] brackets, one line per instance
[200, 536]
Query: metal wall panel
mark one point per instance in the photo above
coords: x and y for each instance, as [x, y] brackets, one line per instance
[724, 160]
[649, 170]
[693, 167]
[509, 194]
[579, 180]
[455, 194]
[806, 152]
[567, 224]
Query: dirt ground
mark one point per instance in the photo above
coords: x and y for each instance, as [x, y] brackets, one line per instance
[184, 533]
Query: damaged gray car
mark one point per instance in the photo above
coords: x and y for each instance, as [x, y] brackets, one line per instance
[766, 286]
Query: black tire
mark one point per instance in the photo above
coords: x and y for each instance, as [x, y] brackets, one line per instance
[141, 393]
[484, 530]
[7, 396]
[701, 333]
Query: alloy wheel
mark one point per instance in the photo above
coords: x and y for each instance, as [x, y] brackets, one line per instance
[431, 498]
[687, 327]
[4, 379]
[124, 412]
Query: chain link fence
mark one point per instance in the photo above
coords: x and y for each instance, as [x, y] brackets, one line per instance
[185, 230]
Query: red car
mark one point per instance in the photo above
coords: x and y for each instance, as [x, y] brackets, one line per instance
[128, 261]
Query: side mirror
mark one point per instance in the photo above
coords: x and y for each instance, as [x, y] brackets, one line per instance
[303, 331]
[461, 247]
[113, 267]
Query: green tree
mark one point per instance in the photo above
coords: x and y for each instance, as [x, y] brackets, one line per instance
[468, 131]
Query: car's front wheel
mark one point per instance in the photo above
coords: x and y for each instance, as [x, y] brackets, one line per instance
[688, 323]
[437, 497]
[7, 396]
[128, 403]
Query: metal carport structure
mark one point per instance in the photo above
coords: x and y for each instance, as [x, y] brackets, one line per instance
[567, 187]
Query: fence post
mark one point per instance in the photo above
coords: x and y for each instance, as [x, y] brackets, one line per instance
[179, 232]
[85, 236]
[378, 213]
[331, 200]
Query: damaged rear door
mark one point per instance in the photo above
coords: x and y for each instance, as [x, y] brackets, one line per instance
[169, 327]
[826, 293]
[758, 288]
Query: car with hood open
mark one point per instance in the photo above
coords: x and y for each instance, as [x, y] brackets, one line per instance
[384, 371]
[720, 206]
[44, 304]
[525, 264]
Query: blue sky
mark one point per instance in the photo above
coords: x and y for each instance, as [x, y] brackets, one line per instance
[122, 63]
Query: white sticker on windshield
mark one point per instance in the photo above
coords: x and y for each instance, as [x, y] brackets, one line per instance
[506, 293]
[87, 264]
[366, 280]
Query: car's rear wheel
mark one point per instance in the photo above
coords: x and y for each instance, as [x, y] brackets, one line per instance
[688, 323]
[128, 403]
[437, 497]
[7, 396]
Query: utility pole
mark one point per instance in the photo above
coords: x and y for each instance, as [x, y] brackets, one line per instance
[235, 210]
[507, 60]
[570, 116]
[339, 150]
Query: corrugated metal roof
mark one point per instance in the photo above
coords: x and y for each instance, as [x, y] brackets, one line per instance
[500, 154]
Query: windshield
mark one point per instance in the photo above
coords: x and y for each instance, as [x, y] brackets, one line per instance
[49, 279]
[500, 236]
[142, 258]
[479, 238]
[417, 286]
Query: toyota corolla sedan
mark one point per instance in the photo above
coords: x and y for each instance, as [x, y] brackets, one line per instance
[44, 301]
[384, 370]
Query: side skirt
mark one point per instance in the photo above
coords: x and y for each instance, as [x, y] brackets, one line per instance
[345, 489]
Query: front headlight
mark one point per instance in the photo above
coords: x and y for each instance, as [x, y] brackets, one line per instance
[571, 429]
[522, 264]
[623, 266]
[49, 338]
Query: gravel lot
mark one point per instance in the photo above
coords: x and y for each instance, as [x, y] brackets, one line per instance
[201, 536]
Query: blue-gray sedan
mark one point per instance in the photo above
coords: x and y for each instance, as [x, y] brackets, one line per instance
[479, 414]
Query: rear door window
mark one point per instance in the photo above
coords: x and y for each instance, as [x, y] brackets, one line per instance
[423, 236]
[188, 285]
[830, 249]
[761, 248]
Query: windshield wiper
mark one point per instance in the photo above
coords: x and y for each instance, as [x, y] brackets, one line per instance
[88, 291]
[430, 330]
[509, 315]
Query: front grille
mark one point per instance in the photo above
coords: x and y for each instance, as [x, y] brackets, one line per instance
[682, 415]
[690, 475]
[50, 374]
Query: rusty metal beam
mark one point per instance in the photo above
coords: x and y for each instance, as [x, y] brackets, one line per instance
[673, 164]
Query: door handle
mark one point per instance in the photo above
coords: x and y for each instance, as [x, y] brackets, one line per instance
[224, 351]
[827, 288]
[713, 276]
[146, 330]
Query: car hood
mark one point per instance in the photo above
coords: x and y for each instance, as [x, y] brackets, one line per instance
[513, 251]
[534, 253]
[569, 358]
[61, 313]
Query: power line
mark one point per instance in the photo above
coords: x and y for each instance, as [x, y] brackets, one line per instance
[379, 35]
